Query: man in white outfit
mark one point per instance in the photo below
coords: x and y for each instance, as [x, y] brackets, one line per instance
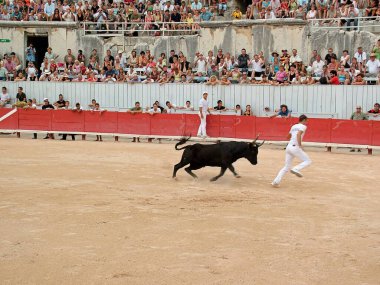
[203, 110]
[294, 149]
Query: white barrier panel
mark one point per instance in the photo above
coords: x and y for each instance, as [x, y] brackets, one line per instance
[334, 101]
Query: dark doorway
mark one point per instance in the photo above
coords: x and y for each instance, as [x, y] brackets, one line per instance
[41, 44]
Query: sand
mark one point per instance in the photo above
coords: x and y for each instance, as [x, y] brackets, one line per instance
[109, 213]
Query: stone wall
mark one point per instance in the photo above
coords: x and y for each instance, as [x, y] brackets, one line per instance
[232, 36]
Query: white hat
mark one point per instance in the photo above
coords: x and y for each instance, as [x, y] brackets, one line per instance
[120, 51]
[46, 99]
[204, 92]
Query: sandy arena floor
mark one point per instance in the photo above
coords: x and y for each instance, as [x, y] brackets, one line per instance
[109, 213]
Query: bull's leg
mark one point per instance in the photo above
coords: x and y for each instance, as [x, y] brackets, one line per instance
[188, 170]
[233, 171]
[222, 170]
[178, 166]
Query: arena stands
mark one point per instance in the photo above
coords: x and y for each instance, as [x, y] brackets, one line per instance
[345, 67]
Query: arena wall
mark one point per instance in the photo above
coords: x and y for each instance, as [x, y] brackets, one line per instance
[315, 100]
[231, 36]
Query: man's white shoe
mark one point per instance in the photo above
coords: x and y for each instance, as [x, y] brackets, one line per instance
[275, 185]
[296, 173]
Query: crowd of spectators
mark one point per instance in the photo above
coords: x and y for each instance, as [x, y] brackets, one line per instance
[356, 68]
[106, 13]
[346, 10]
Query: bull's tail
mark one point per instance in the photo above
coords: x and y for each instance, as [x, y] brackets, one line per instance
[183, 140]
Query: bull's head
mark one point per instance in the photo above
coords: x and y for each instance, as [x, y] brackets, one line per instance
[253, 151]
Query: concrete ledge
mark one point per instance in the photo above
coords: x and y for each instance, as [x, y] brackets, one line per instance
[15, 24]
[260, 22]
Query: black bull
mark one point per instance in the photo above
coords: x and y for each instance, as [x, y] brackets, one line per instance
[221, 154]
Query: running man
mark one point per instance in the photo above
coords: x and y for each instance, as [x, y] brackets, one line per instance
[294, 149]
[203, 109]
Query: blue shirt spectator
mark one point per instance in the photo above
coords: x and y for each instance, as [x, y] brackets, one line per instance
[49, 8]
[196, 5]
[206, 15]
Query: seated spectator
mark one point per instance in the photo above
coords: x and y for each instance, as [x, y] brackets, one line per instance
[213, 80]
[187, 106]
[92, 105]
[269, 14]
[225, 81]
[284, 112]
[237, 14]
[20, 99]
[317, 66]
[312, 14]
[358, 80]
[60, 103]
[206, 16]
[244, 78]
[281, 75]
[196, 5]
[333, 78]
[372, 67]
[310, 80]
[375, 111]
[235, 74]
[238, 110]
[219, 106]
[343, 76]
[248, 111]
[20, 77]
[170, 108]
[5, 98]
[222, 7]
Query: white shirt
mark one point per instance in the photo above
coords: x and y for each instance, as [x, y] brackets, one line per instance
[257, 66]
[158, 111]
[360, 57]
[204, 104]
[201, 66]
[5, 97]
[318, 67]
[373, 66]
[294, 131]
[171, 110]
[295, 58]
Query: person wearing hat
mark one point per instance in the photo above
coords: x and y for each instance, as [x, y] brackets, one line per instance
[203, 110]
[372, 67]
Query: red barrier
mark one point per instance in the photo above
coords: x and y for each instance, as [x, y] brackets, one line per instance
[227, 126]
[9, 123]
[213, 125]
[37, 120]
[100, 122]
[275, 129]
[191, 125]
[167, 124]
[375, 133]
[351, 132]
[133, 123]
[244, 127]
[64, 120]
[318, 130]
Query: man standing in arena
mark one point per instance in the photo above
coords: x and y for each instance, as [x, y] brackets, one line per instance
[294, 149]
[203, 109]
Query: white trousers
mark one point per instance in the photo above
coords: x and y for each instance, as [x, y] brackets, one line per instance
[202, 125]
[291, 153]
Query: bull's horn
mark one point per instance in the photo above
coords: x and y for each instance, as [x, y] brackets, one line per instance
[256, 139]
[258, 145]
